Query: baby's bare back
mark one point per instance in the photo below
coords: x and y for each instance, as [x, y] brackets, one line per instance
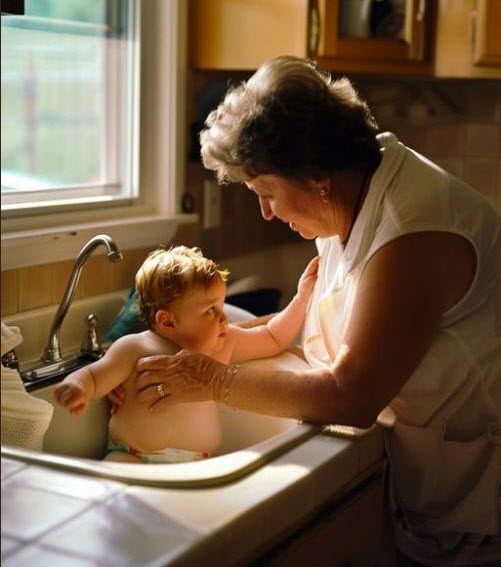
[194, 426]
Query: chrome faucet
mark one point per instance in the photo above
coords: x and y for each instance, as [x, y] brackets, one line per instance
[52, 351]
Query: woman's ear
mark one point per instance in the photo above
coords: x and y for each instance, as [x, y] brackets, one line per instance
[164, 320]
[322, 186]
[321, 181]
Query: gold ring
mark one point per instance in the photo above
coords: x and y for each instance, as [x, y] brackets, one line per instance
[160, 390]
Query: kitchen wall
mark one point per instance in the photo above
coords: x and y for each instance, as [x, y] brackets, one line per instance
[457, 124]
[38, 286]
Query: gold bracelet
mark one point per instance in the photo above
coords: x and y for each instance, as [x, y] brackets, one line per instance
[229, 374]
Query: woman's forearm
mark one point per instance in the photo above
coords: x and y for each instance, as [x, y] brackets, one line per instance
[313, 396]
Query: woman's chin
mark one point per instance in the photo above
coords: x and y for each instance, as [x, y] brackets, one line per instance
[307, 235]
[304, 233]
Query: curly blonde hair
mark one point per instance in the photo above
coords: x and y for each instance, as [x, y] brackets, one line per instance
[289, 119]
[167, 274]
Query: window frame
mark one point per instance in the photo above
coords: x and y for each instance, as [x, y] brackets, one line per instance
[162, 160]
[120, 96]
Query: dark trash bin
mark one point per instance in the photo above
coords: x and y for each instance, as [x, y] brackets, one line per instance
[259, 302]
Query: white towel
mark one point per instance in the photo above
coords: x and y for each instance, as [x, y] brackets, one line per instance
[11, 338]
[25, 419]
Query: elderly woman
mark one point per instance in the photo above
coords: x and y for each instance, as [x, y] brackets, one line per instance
[406, 312]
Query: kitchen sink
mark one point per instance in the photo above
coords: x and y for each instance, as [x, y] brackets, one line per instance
[248, 441]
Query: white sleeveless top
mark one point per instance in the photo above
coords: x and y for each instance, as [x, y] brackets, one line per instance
[443, 429]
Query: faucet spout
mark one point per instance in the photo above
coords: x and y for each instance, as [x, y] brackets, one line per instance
[52, 351]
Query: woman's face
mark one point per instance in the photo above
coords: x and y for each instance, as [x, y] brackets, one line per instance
[295, 203]
[199, 320]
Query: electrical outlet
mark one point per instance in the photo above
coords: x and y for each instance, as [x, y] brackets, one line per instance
[212, 204]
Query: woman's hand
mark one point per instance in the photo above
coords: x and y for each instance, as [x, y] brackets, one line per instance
[184, 377]
[308, 279]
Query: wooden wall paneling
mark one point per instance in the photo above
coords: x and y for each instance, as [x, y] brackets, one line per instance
[35, 287]
[61, 272]
[123, 273]
[97, 277]
[9, 292]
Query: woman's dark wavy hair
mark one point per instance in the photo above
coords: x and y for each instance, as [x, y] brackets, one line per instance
[289, 119]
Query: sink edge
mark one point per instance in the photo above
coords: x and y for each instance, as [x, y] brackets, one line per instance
[211, 472]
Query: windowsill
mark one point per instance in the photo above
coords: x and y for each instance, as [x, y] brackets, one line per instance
[43, 246]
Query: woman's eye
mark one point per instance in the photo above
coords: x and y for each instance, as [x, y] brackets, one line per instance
[211, 311]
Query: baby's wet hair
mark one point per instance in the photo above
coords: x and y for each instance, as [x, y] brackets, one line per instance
[168, 273]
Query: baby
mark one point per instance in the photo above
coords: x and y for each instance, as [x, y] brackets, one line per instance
[181, 297]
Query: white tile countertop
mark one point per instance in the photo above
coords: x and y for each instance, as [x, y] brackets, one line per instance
[58, 518]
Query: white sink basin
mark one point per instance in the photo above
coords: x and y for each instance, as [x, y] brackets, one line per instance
[78, 444]
[249, 441]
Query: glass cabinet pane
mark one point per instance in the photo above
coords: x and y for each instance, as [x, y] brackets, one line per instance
[383, 19]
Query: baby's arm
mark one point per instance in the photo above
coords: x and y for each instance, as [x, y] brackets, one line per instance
[75, 391]
[97, 379]
[281, 330]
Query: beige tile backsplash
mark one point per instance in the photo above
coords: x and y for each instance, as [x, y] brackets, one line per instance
[482, 139]
[463, 137]
[480, 173]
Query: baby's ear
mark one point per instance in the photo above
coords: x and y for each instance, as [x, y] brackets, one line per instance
[164, 319]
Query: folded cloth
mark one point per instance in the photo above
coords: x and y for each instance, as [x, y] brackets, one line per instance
[11, 338]
[25, 419]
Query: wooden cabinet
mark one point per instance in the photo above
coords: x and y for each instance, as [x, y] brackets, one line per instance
[354, 533]
[399, 44]
[468, 42]
[445, 38]
[242, 34]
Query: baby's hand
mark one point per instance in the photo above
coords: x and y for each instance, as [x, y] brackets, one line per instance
[308, 279]
[72, 397]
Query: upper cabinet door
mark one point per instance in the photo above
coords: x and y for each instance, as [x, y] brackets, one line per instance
[487, 33]
[381, 33]
[445, 38]
[242, 34]
[468, 42]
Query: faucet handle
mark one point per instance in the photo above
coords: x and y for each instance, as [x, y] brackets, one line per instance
[10, 360]
[90, 344]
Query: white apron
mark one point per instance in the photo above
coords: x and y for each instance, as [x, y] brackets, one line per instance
[443, 429]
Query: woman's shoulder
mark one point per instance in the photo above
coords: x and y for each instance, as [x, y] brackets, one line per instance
[426, 197]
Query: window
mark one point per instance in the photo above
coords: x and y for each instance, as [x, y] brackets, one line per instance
[69, 105]
[144, 208]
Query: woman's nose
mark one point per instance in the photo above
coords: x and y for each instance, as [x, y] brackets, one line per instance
[222, 317]
[266, 211]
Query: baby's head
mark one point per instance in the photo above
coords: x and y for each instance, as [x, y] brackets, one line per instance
[181, 294]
